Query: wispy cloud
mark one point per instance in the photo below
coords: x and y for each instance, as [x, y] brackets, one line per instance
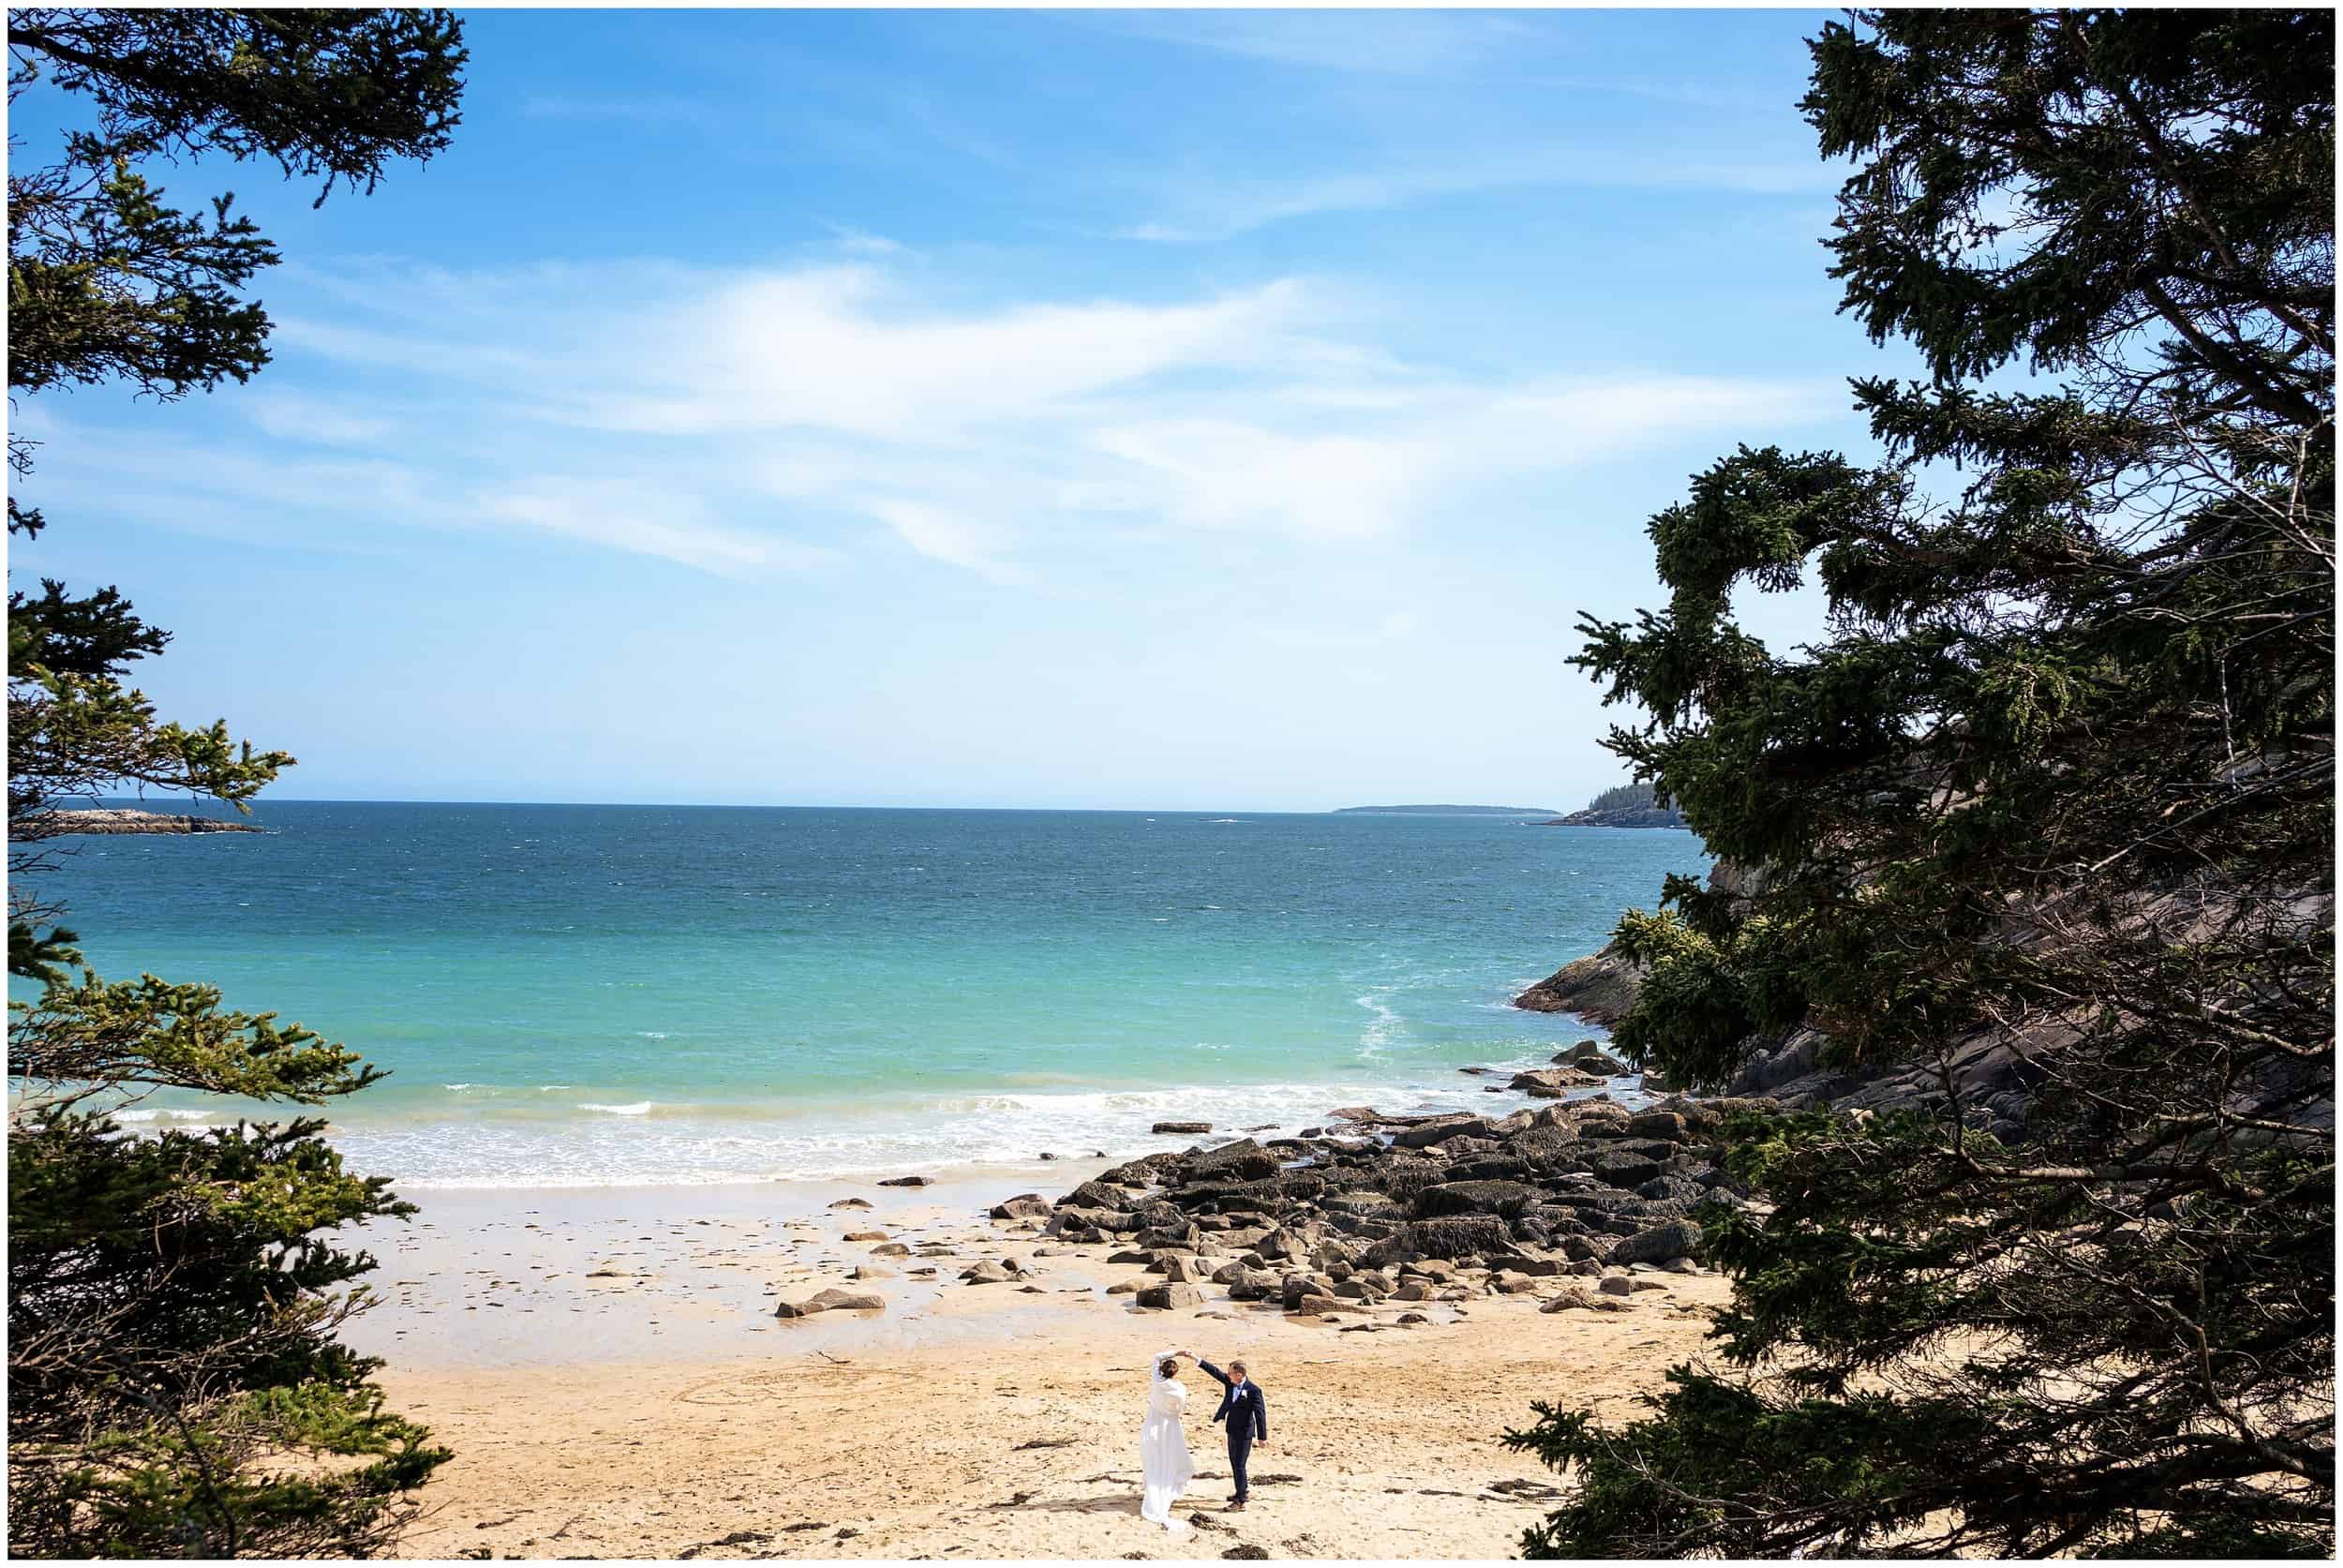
[635, 108]
[1379, 43]
[748, 422]
[631, 515]
[314, 421]
[861, 241]
[946, 536]
[1203, 208]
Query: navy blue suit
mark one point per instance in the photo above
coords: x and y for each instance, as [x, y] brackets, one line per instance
[1248, 1415]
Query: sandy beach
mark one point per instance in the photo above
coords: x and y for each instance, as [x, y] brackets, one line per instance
[606, 1365]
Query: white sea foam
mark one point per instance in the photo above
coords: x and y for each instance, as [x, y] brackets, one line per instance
[711, 1144]
[166, 1113]
[1387, 1026]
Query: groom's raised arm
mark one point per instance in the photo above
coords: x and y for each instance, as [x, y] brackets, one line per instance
[1215, 1373]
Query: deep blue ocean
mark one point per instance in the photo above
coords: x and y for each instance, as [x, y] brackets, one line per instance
[585, 994]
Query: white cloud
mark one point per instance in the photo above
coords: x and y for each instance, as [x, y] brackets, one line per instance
[942, 535]
[836, 349]
[750, 421]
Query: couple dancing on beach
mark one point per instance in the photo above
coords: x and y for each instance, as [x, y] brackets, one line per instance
[1166, 1463]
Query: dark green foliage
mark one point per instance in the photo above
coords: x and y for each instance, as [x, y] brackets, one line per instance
[177, 1385]
[1637, 796]
[2050, 808]
[106, 281]
[1626, 797]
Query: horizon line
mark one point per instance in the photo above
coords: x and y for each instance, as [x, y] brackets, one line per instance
[150, 802]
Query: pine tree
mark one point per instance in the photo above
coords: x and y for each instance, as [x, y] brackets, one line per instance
[2053, 798]
[175, 1385]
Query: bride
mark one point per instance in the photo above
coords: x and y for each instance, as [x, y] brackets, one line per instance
[1163, 1445]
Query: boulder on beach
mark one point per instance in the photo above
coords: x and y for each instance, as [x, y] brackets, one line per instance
[1241, 1161]
[1588, 1056]
[1025, 1205]
[1579, 1300]
[1163, 1298]
[1438, 1131]
[1678, 1238]
[1182, 1126]
[907, 1180]
[1550, 1082]
[831, 1300]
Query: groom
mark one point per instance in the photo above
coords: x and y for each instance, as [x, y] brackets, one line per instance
[1248, 1415]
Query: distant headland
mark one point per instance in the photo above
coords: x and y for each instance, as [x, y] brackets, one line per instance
[1628, 806]
[1445, 811]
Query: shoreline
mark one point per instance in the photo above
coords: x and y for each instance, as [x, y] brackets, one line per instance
[465, 1136]
[605, 1364]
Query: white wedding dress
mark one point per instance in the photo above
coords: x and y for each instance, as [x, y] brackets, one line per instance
[1164, 1459]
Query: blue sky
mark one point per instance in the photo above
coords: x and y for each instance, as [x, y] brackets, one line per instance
[1117, 409]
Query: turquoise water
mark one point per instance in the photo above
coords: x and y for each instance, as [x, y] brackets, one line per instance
[584, 994]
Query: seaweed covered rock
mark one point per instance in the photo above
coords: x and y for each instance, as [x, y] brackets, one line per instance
[1678, 1238]
[1241, 1161]
[1501, 1198]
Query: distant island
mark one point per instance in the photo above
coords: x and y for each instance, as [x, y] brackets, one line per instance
[60, 822]
[1627, 805]
[1443, 811]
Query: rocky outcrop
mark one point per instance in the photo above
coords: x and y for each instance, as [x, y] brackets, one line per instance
[1599, 987]
[1627, 816]
[51, 824]
[1589, 1056]
[1436, 1208]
